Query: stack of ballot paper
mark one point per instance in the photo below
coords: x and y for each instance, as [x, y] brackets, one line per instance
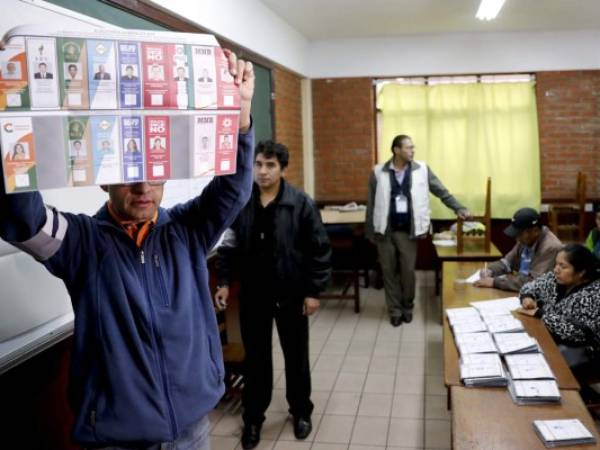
[469, 343]
[465, 320]
[558, 433]
[503, 324]
[534, 392]
[508, 343]
[531, 366]
[479, 370]
[497, 307]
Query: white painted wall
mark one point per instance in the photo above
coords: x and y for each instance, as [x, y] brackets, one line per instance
[455, 54]
[250, 24]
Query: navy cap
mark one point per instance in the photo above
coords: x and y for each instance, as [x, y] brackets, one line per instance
[523, 219]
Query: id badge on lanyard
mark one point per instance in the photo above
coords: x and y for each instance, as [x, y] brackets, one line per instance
[401, 204]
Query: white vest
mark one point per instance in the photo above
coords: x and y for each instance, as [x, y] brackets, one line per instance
[419, 196]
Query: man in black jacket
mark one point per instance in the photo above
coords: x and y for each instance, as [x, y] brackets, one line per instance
[280, 250]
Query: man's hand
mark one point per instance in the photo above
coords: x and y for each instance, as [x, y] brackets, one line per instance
[485, 273]
[487, 282]
[243, 76]
[311, 305]
[529, 303]
[221, 297]
[464, 214]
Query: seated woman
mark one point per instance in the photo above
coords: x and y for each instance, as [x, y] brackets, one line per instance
[568, 301]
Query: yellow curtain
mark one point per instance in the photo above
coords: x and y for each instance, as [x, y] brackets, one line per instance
[465, 133]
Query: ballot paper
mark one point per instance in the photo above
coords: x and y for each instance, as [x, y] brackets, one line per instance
[457, 315]
[473, 278]
[503, 324]
[43, 79]
[468, 343]
[534, 392]
[508, 343]
[482, 370]
[532, 366]
[497, 306]
[469, 326]
[444, 243]
[14, 90]
[563, 432]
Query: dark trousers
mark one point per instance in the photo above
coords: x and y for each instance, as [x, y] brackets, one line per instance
[256, 322]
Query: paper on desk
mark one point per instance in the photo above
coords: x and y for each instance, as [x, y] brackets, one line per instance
[456, 315]
[515, 342]
[536, 388]
[480, 366]
[469, 343]
[503, 323]
[444, 243]
[497, 306]
[528, 367]
[468, 325]
[562, 430]
[473, 278]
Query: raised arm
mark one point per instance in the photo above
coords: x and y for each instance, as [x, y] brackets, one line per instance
[51, 237]
[437, 188]
[212, 212]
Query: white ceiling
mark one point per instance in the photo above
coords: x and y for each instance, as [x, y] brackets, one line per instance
[330, 19]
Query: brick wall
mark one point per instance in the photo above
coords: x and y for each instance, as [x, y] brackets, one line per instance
[288, 121]
[569, 127]
[344, 137]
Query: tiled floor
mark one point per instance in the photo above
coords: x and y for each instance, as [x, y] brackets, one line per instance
[374, 386]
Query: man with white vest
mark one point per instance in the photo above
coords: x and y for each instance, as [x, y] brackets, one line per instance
[397, 215]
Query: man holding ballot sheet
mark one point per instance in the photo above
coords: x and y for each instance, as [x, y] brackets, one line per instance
[147, 363]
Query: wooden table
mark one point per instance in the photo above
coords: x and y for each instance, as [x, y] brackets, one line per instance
[458, 295]
[473, 251]
[487, 418]
[335, 217]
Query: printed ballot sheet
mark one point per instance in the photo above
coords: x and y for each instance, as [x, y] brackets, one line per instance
[130, 82]
[18, 154]
[529, 366]
[473, 325]
[515, 342]
[481, 366]
[499, 306]
[536, 389]
[563, 432]
[102, 74]
[79, 151]
[73, 71]
[14, 88]
[158, 147]
[457, 315]
[468, 343]
[105, 145]
[131, 143]
[503, 324]
[43, 79]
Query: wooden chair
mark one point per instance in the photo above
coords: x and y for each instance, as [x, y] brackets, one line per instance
[486, 219]
[570, 229]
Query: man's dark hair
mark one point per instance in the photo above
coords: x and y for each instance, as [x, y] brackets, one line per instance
[272, 149]
[397, 141]
[73, 66]
[582, 260]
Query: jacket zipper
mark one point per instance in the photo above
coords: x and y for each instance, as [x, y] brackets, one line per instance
[161, 281]
[157, 337]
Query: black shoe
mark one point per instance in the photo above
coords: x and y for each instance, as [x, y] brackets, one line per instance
[250, 436]
[396, 321]
[407, 317]
[302, 427]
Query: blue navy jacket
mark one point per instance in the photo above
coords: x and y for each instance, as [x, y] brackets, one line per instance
[147, 359]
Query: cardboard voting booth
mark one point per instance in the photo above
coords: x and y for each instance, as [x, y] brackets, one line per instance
[109, 107]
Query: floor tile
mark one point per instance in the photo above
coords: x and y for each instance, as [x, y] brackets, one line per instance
[350, 382]
[335, 429]
[370, 431]
[437, 434]
[375, 405]
[408, 406]
[343, 403]
[406, 433]
[378, 383]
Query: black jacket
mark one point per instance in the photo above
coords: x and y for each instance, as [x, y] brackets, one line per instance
[302, 249]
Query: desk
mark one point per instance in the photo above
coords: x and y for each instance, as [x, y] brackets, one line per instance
[335, 217]
[473, 251]
[457, 295]
[487, 418]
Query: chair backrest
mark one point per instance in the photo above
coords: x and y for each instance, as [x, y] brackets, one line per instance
[486, 219]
